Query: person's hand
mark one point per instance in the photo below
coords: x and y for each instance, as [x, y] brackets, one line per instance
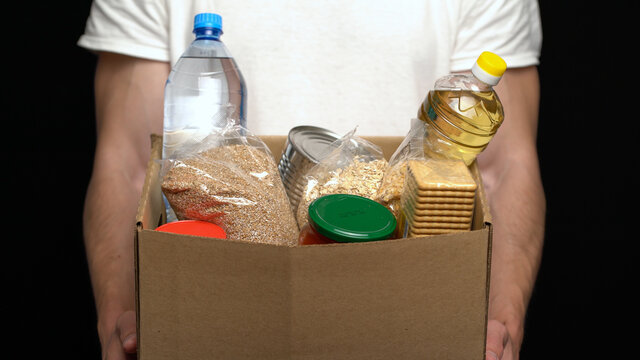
[122, 343]
[499, 344]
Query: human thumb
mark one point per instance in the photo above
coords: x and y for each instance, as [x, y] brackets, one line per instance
[497, 338]
[126, 328]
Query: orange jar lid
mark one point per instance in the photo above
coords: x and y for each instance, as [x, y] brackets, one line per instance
[194, 227]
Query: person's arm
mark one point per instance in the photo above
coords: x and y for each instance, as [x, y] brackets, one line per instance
[129, 95]
[511, 176]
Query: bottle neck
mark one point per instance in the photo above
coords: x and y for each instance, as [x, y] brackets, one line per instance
[207, 34]
[483, 86]
[485, 77]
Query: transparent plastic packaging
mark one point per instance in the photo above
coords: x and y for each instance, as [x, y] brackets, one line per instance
[411, 148]
[230, 179]
[355, 166]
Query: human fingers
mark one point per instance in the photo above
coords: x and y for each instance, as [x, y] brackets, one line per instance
[497, 339]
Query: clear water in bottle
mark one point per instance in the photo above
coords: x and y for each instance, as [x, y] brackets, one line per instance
[205, 88]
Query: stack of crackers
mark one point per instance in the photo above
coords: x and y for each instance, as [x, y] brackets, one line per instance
[438, 197]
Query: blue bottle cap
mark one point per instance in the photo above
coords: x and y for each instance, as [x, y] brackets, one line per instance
[207, 20]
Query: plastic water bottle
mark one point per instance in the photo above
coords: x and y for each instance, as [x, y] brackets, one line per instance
[463, 112]
[205, 88]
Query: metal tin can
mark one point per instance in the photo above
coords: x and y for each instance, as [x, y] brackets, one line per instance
[304, 148]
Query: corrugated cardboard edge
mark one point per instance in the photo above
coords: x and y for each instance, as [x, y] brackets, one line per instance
[486, 211]
[150, 183]
[482, 195]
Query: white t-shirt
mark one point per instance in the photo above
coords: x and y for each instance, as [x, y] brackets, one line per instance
[335, 64]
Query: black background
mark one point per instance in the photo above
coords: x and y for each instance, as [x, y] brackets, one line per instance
[582, 302]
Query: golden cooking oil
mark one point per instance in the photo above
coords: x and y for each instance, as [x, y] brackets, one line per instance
[463, 112]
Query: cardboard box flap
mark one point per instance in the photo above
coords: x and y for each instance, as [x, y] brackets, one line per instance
[150, 214]
[230, 298]
[482, 213]
[400, 299]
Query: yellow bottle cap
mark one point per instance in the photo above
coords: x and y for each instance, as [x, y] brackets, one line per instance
[489, 68]
[492, 63]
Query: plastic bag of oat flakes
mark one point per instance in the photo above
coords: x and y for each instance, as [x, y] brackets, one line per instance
[355, 166]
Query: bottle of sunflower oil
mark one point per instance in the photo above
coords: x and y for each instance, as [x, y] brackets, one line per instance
[463, 112]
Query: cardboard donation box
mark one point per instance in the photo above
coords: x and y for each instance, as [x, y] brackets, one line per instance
[206, 298]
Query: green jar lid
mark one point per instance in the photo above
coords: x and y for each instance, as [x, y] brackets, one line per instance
[351, 218]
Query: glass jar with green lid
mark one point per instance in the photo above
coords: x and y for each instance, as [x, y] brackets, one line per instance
[344, 218]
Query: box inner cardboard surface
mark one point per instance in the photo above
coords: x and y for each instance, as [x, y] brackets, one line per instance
[202, 298]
